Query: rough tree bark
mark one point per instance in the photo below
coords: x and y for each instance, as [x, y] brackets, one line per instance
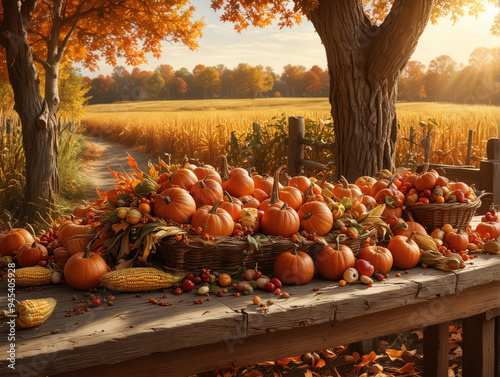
[364, 63]
[38, 119]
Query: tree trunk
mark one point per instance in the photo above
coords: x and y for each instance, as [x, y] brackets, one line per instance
[39, 123]
[364, 63]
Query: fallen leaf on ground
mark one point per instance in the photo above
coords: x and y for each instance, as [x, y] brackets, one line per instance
[321, 363]
[408, 368]
[286, 360]
[355, 357]
[254, 373]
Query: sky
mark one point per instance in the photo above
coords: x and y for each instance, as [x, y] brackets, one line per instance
[300, 45]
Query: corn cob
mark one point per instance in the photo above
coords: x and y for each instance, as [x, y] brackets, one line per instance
[35, 275]
[34, 312]
[139, 279]
[425, 242]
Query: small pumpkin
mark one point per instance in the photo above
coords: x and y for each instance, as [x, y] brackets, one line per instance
[300, 182]
[294, 267]
[365, 184]
[405, 252]
[71, 235]
[333, 259]
[263, 182]
[12, 239]
[379, 257]
[232, 205]
[249, 201]
[380, 185]
[61, 257]
[492, 228]
[345, 189]
[83, 270]
[206, 191]
[249, 218]
[183, 178]
[457, 240]
[291, 196]
[315, 216]
[213, 220]
[426, 181]
[205, 170]
[30, 254]
[237, 181]
[410, 227]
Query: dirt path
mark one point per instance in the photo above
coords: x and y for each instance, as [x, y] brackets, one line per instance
[114, 156]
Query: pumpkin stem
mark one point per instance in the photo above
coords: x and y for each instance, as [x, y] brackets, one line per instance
[202, 182]
[410, 238]
[309, 191]
[337, 241]
[33, 245]
[283, 207]
[276, 186]
[167, 199]
[344, 182]
[11, 229]
[307, 216]
[391, 180]
[294, 251]
[323, 181]
[214, 208]
[224, 170]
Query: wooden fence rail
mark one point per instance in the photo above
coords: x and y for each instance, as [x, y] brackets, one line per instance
[485, 178]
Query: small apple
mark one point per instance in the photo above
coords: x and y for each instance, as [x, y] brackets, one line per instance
[364, 267]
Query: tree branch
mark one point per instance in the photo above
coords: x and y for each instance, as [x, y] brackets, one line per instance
[44, 63]
[64, 44]
[398, 36]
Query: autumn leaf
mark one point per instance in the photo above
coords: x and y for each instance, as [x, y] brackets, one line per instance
[419, 334]
[407, 368]
[120, 226]
[287, 360]
[321, 363]
[254, 373]
[367, 359]
[356, 357]
[328, 353]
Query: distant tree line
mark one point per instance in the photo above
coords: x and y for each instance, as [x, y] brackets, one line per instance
[244, 81]
[445, 80]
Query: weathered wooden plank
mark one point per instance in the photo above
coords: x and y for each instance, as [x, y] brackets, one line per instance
[478, 347]
[436, 350]
[271, 346]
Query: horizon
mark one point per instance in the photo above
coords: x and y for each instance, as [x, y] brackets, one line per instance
[300, 45]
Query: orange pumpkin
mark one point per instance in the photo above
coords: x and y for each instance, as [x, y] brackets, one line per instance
[380, 185]
[291, 196]
[83, 270]
[61, 257]
[274, 201]
[265, 183]
[411, 226]
[357, 209]
[492, 228]
[311, 195]
[282, 221]
[204, 171]
[183, 178]
[457, 240]
[369, 202]
[237, 182]
[30, 254]
[333, 260]
[315, 216]
[175, 204]
[464, 187]
[213, 220]
[206, 191]
[12, 239]
[426, 181]
[249, 202]
[300, 182]
[405, 252]
[232, 205]
[71, 235]
[379, 257]
[81, 210]
[345, 189]
[294, 267]
[365, 184]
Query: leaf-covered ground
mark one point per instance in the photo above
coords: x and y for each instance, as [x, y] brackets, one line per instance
[397, 355]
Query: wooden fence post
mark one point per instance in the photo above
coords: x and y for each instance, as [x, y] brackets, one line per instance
[489, 170]
[296, 127]
[469, 147]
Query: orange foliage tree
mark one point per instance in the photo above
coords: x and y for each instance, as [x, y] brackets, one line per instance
[54, 31]
[367, 43]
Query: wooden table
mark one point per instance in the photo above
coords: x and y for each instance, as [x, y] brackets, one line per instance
[136, 337]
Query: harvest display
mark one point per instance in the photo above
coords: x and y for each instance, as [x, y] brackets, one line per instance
[193, 228]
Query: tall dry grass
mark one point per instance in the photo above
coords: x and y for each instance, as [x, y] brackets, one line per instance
[202, 129]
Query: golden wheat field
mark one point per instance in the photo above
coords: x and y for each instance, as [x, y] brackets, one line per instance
[202, 129]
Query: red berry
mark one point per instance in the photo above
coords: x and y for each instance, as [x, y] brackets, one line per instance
[380, 277]
[177, 291]
[189, 276]
[276, 282]
[96, 302]
[187, 285]
[197, 280]
[269, 287]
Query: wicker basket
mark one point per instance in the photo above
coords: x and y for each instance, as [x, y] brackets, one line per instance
[435, 215]
[229, 253]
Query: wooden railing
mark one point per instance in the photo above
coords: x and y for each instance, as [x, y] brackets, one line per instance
[485, 178]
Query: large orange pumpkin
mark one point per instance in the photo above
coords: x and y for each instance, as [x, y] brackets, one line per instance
[282, 221]
[83, 270]
[183, 178]
[291, 196]
[204, 171]
[493, 228]
[213, 220]
[71, 235]
[410, 227]
[380, 185]
[175, 204]
[405, 252]
[315, 216]
[426, 181]
[333, 260]
[300, 182]
[294, 267]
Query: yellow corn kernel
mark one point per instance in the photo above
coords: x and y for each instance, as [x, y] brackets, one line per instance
[35, 275]
[34, 312]
[139, 279]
